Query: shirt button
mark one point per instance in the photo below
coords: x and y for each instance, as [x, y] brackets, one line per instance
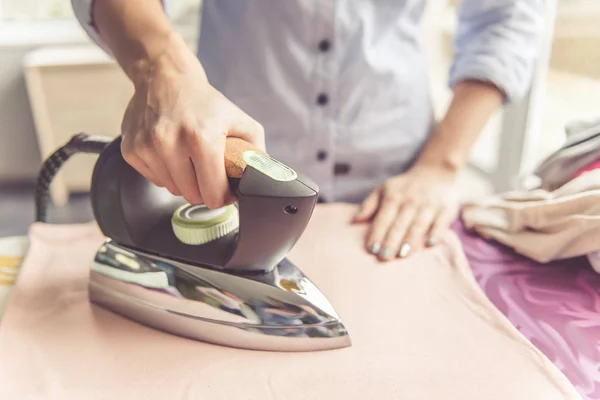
[324, 45]
[322, 99]
[341, 169]
[321, 155]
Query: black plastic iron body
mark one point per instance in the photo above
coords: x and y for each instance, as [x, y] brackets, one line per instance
[135, 213]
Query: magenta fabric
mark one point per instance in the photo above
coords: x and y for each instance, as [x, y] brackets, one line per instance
[556, 305]
[591, 167]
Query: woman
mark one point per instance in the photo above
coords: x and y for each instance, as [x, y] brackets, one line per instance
[340, 87]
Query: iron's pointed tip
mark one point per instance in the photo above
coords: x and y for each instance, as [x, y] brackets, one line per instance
[337, 335]
[347, 340]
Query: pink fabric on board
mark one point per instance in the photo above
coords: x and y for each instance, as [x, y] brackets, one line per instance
[421, 329]
[555, 305]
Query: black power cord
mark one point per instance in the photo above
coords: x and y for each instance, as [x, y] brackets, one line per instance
[80, 143]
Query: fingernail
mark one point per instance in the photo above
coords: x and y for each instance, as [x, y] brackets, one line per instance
[432, 241]
[375, 247]
[386, 253]
[404, 250]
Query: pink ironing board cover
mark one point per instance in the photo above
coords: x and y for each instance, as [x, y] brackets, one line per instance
[421, 329]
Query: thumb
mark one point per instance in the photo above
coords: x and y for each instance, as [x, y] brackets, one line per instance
[368, 207]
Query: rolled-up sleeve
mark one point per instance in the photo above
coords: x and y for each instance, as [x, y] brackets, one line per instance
[83, 12]
[498, 41]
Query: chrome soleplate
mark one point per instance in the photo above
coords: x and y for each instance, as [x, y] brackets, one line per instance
[279, 311]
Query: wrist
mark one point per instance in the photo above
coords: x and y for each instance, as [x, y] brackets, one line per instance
[442, 154]
[170, 57]
[449, 169]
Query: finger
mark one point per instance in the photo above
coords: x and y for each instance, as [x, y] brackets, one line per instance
[160, 170]
[143, 169]
[139, 165]
[440, 226]
[380, 226]
[209, 166]
[397, 231]
[171, 149]
[182, 170]
[248, 129]
[368, 207]
[420, 227]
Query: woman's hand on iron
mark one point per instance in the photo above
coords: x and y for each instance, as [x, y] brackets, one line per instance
[409, 211]
[175, 126]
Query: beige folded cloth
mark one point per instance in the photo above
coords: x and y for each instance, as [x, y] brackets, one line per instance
[540, 224]
[421, 329]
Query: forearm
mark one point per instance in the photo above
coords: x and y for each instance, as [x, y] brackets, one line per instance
[137, 32]
[473, 104]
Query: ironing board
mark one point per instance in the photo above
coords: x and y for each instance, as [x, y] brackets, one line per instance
[421, 328]
[12, 251]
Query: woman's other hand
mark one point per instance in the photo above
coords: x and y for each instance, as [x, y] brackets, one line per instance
[409, 211]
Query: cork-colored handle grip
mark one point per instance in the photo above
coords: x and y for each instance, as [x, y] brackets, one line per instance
[234, 159]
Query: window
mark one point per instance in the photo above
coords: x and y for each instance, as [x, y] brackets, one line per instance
[48, 22]
[28, 10]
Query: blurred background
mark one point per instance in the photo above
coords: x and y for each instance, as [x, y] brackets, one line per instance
[54, 83]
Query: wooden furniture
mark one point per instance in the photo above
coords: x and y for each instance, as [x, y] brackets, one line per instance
[74, 89]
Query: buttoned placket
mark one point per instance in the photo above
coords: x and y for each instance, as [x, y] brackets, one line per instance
[323, 103]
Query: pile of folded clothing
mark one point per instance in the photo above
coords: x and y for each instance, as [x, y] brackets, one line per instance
[560, 217]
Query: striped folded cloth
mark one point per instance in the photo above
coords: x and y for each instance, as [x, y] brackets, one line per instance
[12, 252]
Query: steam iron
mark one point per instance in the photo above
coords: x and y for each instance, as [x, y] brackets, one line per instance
[220, 275]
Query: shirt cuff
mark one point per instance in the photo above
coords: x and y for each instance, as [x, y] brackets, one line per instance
[488, 69]
[83, 12]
